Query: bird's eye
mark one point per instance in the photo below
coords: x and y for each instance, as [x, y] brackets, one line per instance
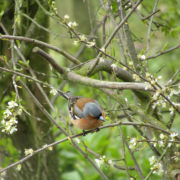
[100, 115]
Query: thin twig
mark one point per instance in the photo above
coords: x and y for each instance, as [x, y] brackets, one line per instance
[30, 70]
[39, 25]
[163, 52]
[133, 157]
[124, 152]
[82, 134]
[160, 158]
[114, 33]
[144, 18]
[150, 25]
[22, 38]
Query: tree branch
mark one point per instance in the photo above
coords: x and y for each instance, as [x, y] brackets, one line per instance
[114, 33]
[88, 81]
[78, 135]
[22, 38]
[163, 52]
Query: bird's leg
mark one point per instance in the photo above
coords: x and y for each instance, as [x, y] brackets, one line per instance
[84, 132]
[97, 129]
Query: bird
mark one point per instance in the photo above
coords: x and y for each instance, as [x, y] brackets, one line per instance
[86, 113]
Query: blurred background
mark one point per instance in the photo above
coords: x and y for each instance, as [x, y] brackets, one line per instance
[45, 21]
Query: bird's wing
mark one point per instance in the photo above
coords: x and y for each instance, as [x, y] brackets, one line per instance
[92, 109]
[77, 112]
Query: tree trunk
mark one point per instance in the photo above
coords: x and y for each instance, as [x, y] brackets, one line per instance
[32, 133]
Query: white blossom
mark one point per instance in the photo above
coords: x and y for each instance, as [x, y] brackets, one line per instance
[3, 122]
[130, 63]
[148, 75]
[19, 112]
[53, 91]
[157, 169]
[69, 24]
[77, 140]
[83, 37]
[74, 24]
[28, 151]
[13, 120]
[169, 144]
[19, 166]
[154, 144]
[102, 49]
[171, 109]
[136, 77]
[7, 113]
[139, 7]
[159, 77]
[132, 143]
[152, 160]
[12, 104]
[161, 143]
[142, 57]
[162, 136]
[101, 59]
[124, 68]
[90, 44]
[66, 16]
[50, 148]
[76, 43]
[113, 66]
[110, 161]
[12, 130]
[173, 135]
[99, 162]
[45, 146]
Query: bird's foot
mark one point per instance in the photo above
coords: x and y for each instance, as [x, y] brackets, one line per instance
[84, 132]
[97, 129]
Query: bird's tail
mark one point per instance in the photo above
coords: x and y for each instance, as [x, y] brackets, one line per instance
[67, 95]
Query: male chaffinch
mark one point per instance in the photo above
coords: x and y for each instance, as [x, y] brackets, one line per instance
[86, 113]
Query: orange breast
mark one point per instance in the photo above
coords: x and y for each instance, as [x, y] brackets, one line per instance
[86, 124]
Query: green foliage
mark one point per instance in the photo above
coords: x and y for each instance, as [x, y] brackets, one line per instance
[108, 144]
[10, 153]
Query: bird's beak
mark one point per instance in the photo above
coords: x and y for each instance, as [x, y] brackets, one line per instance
[101, 118]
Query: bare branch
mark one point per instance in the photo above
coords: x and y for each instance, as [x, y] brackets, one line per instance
[81, 134]
[144, 18]
[88, 81]
[163, 52]
[133, 157]
[21, 38]
[150, 25]
[114, 33]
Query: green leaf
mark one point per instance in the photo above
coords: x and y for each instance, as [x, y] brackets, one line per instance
[165, 46]
[18, 43]
[1, 13]
[24, 63]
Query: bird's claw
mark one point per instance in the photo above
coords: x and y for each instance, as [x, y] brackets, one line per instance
[97, 129]
[84, 132]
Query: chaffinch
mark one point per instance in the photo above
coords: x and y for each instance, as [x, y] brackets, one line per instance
[86, 113]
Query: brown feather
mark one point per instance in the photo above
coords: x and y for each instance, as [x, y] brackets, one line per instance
[80, 103]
